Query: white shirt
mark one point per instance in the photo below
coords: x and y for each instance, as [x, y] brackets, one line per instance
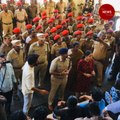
[27, 79]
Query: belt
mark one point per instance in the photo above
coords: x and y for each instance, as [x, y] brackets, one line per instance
[7, 23]
[20, 21]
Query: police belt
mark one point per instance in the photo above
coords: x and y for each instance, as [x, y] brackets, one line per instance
[7, 23]
[20, 21]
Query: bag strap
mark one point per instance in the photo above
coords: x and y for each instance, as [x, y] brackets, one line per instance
[3, 77]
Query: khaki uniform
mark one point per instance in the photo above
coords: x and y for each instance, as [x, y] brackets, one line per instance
[99, 54]
[51, 7]
[17, 60]
[4, 48]
[44, 9]
[87, 45]
[11, 8]
[55, 48]
[42, 51]
[7, 22]
[58, 81]
[61, 6]
[32, 12]
[21, 16]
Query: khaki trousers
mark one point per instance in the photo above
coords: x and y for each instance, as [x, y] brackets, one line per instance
[40, 72]
[7, 29]
[55, 85]
[21, 26]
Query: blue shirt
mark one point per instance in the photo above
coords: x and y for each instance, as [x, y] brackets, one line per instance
[9, 78]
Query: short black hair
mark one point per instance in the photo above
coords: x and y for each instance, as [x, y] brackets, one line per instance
[94, 109]
[40, 113]
[18, 115]
[72, 101]
[97, 94]
[32, 59]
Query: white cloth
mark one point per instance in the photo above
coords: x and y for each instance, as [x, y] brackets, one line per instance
[27, 79]
[27, 102]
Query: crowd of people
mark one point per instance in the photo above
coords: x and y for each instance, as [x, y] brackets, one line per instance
[70, 47]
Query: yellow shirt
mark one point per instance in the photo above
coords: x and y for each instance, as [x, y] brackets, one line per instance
[6, 17]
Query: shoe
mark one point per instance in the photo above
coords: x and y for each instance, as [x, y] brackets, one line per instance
[50, 107]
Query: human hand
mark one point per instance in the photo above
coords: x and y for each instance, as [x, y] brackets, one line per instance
[87, 75]
[61, 103]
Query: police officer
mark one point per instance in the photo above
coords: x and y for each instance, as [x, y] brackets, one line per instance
[42, 49]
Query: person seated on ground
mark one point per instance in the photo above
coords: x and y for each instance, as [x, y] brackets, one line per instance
[96, 96]
[94, 112]
[113, 95]
[19, 115]
[40, 113]
[113, 110]
[71, 111]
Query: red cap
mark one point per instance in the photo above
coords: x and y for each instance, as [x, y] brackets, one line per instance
[57, 37]
[65, 32]
[50, 21]
[89, 32]
[43, 13]
[90, 20]
[36, 19]
[63, 22]
[38, 27]
[80, 25]
[78, 32]
[67, 20]
[16, 30]
[55, 11]
[28, 26]
[52, 18]
[59, 26]
[79, 17]
[4, 5]
[89, 14]
[70, 14]
[53, 30]
[44, 17]
[19, 3]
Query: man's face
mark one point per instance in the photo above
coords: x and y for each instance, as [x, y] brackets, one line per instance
[64, 56]
[17, 48]
[7, 40]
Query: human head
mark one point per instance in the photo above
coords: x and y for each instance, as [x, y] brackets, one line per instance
[7, 39]
[72, 102]
[2, 58]
[18, 115]
[76, 45]
[94, 109]
[32, 59]
[41, 38]
[40, 113]
[97, 94]
[88, 55]
[16, 45]
[63, 53]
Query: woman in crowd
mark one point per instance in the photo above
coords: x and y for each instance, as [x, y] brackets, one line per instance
[85, 72]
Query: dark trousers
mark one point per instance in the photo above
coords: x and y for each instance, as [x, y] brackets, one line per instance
[115, 67]
[8, 96]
